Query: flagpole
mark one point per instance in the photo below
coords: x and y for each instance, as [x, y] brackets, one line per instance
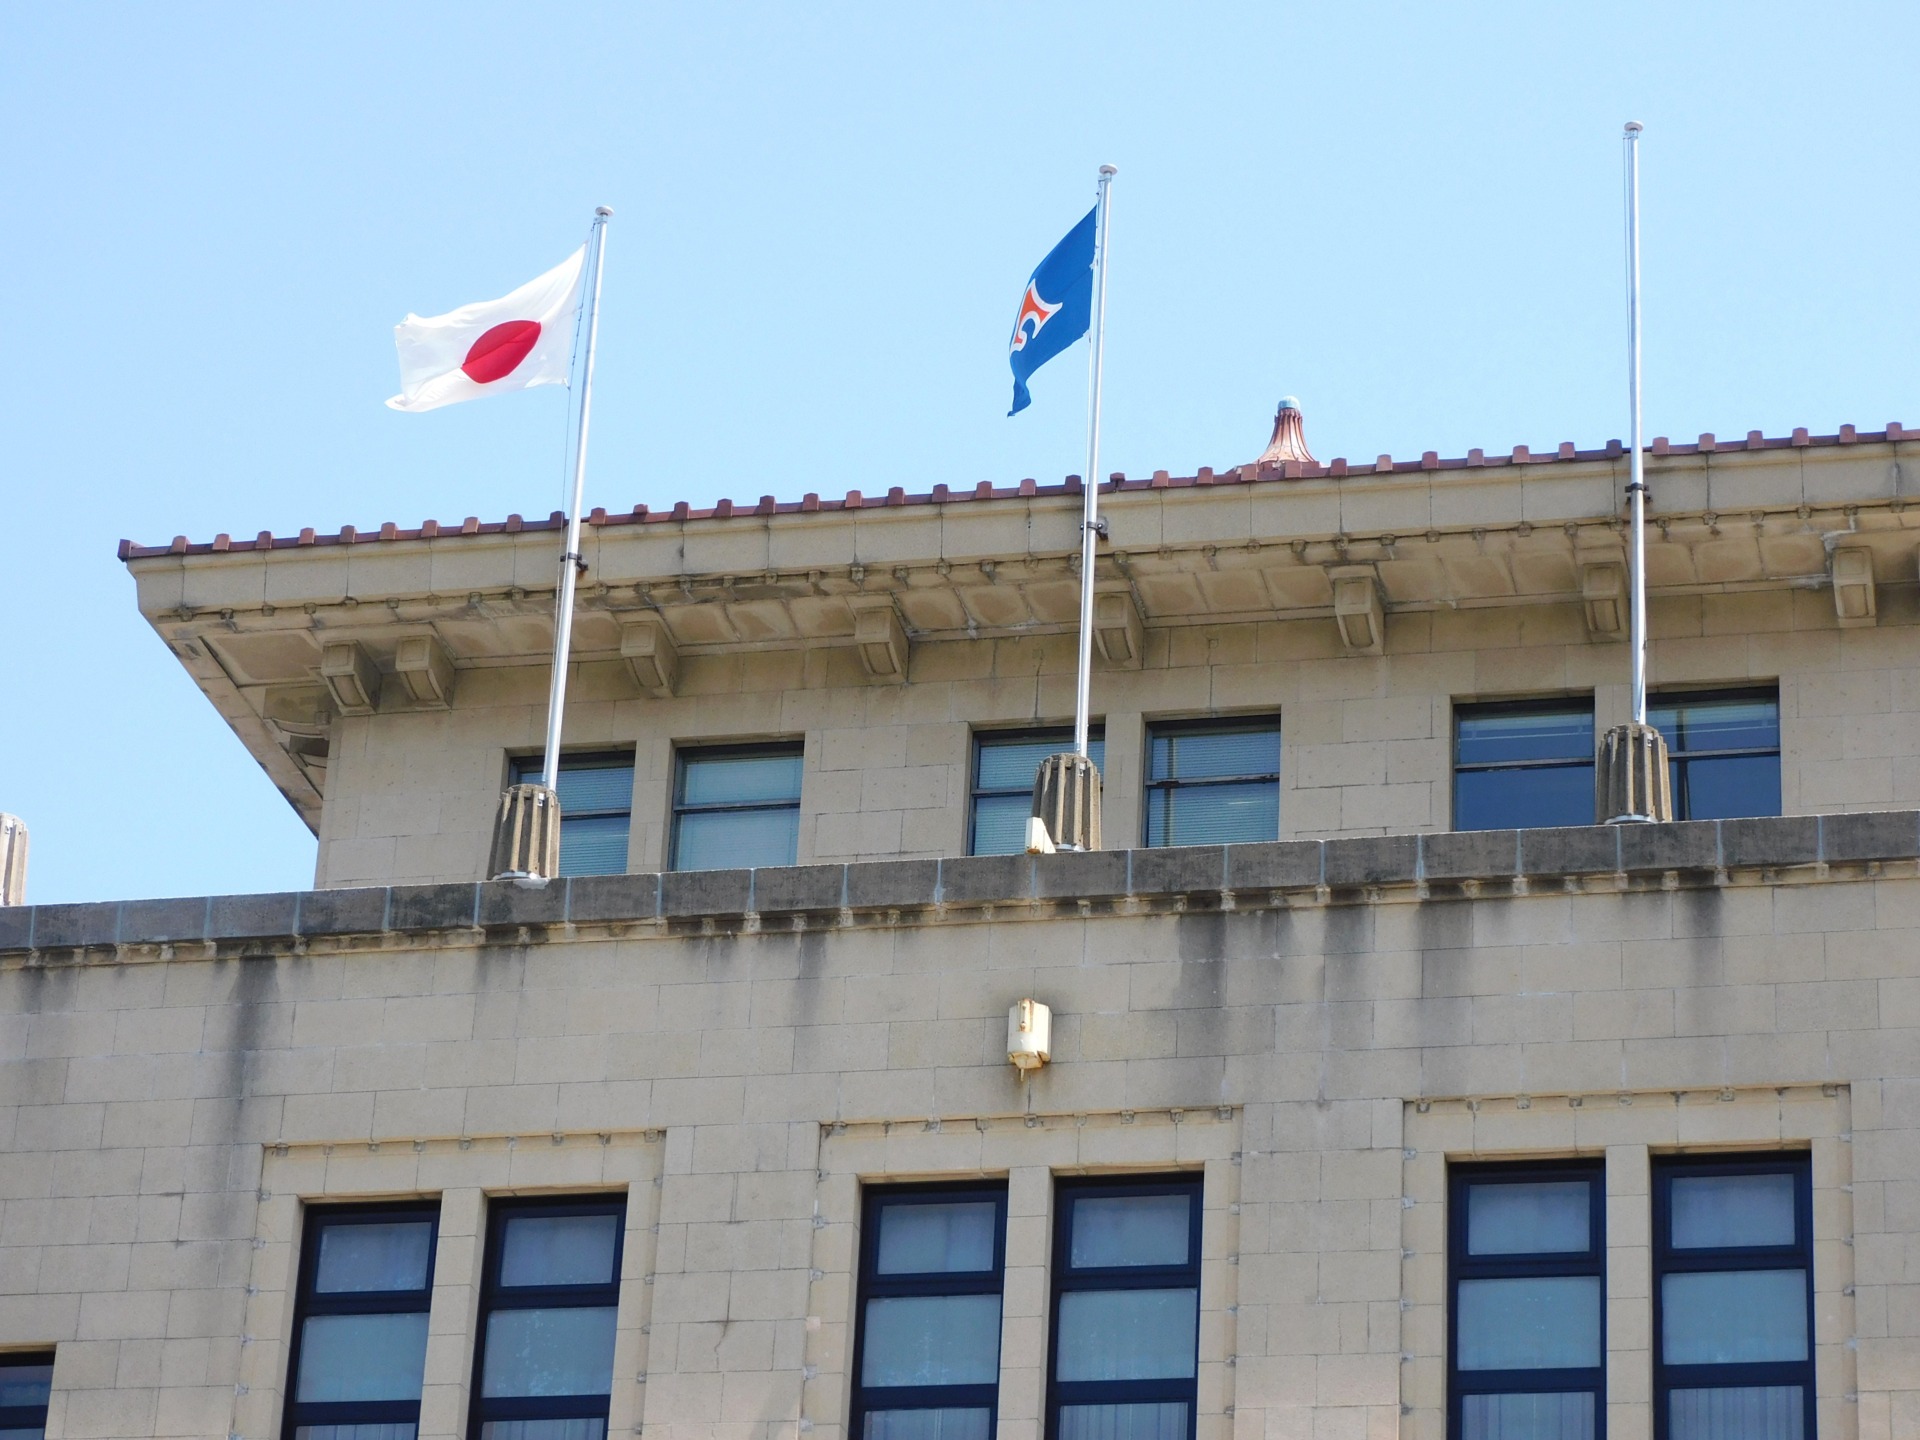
[1637, 480]
[1090, 489]
[571, 560]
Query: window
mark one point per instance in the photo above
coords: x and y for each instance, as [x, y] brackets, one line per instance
[1004, 765]
[360, 1323]
[1213, 784]
[927, 1358]
[1526, 1328]
[1733, 1298]
[26, 1381]
[1521, 765]
[1723, 749]
[736, 808]
[1126, 1311]
[544, 1361]
[596, 809]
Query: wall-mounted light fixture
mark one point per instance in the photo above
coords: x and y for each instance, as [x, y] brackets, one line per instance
[1029, 1036]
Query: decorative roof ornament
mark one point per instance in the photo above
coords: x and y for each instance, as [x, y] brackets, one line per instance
[1289, 436]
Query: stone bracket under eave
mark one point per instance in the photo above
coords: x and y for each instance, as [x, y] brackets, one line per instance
[1358, 609]
[1855, 601]
[884, 646]
[1603, 590]
[651, 654]
[1118, 629]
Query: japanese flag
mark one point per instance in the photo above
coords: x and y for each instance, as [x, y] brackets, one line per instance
[513, 343]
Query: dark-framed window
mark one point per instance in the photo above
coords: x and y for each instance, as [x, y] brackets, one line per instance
[596, 808]
[549, 1291]
[1004, 764]
[360, 1321]
[26, 1383]
[1723, 751]
[926, 1359]
[1519, 764]
[1125, 1326]
[736, 806]
[1526, 1301]
[1733, 1298]
[1214, 782]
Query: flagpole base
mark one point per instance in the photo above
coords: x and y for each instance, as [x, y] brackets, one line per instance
[526, 836]
[1066, 802]
[1631, 781]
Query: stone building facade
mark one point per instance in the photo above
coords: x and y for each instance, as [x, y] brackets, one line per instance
[1372, 1124]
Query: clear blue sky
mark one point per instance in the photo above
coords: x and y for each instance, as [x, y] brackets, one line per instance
[1408, 216]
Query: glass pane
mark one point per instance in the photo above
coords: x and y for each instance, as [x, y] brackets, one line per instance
[1000, 824]
[26, 1384]
[951, 1424]
[1708, 724]
[1734, 1317]
[932, 1340]
[1011, 764]
[1523, 799]
[1713, 1212]
[1527, 1417]
[1208, 754]
[1726, 789]
[549, 1352]
[1548, 1218]
[362, 1357]
[360, 1258]
[1214, 814]
[395, 1431]
[585, 789]
[737, 839]
[1531, 735]
[576, 1429]
[559, 1250]
[1546, 1323]
[1161, 1420]
[1749, 1412]
[1112, 1230]
[739, 779]
[1128, 1334]
[593, 844]
[35, 1434]
[936, 1239]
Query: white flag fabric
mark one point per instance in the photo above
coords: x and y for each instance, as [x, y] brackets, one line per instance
[514, 343]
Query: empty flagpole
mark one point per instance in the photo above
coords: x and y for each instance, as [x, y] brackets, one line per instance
[1636, 466]
[1090, 489]
[570, 559]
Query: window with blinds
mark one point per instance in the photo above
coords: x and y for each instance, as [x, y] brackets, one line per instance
[360, 1322]
[927, 1355]
[1213, 784]
[596, 809]
[1004, 764]
[1733, 1297]
[26, 1386]
[736, 807]
[1527, 1304]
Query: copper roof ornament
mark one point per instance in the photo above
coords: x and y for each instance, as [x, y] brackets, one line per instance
[1289, 436]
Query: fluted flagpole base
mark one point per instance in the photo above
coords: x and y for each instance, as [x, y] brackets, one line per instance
[1066, 802]
[1630, 782]
[526, 836]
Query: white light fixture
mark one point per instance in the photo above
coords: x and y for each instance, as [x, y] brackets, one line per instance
[1029, 1036]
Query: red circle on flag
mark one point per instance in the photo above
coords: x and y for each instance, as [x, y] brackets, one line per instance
[499, 352]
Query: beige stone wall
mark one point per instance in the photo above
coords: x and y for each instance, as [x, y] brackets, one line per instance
[166, 1111]
[1366, 740]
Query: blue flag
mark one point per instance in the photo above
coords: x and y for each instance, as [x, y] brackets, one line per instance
[1056, 310]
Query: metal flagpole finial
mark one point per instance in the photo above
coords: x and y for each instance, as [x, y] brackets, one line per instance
[604, 211]
[1634, 127]
[1109, 170]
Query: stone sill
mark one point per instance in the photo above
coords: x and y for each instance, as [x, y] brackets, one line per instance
[1451, 865]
